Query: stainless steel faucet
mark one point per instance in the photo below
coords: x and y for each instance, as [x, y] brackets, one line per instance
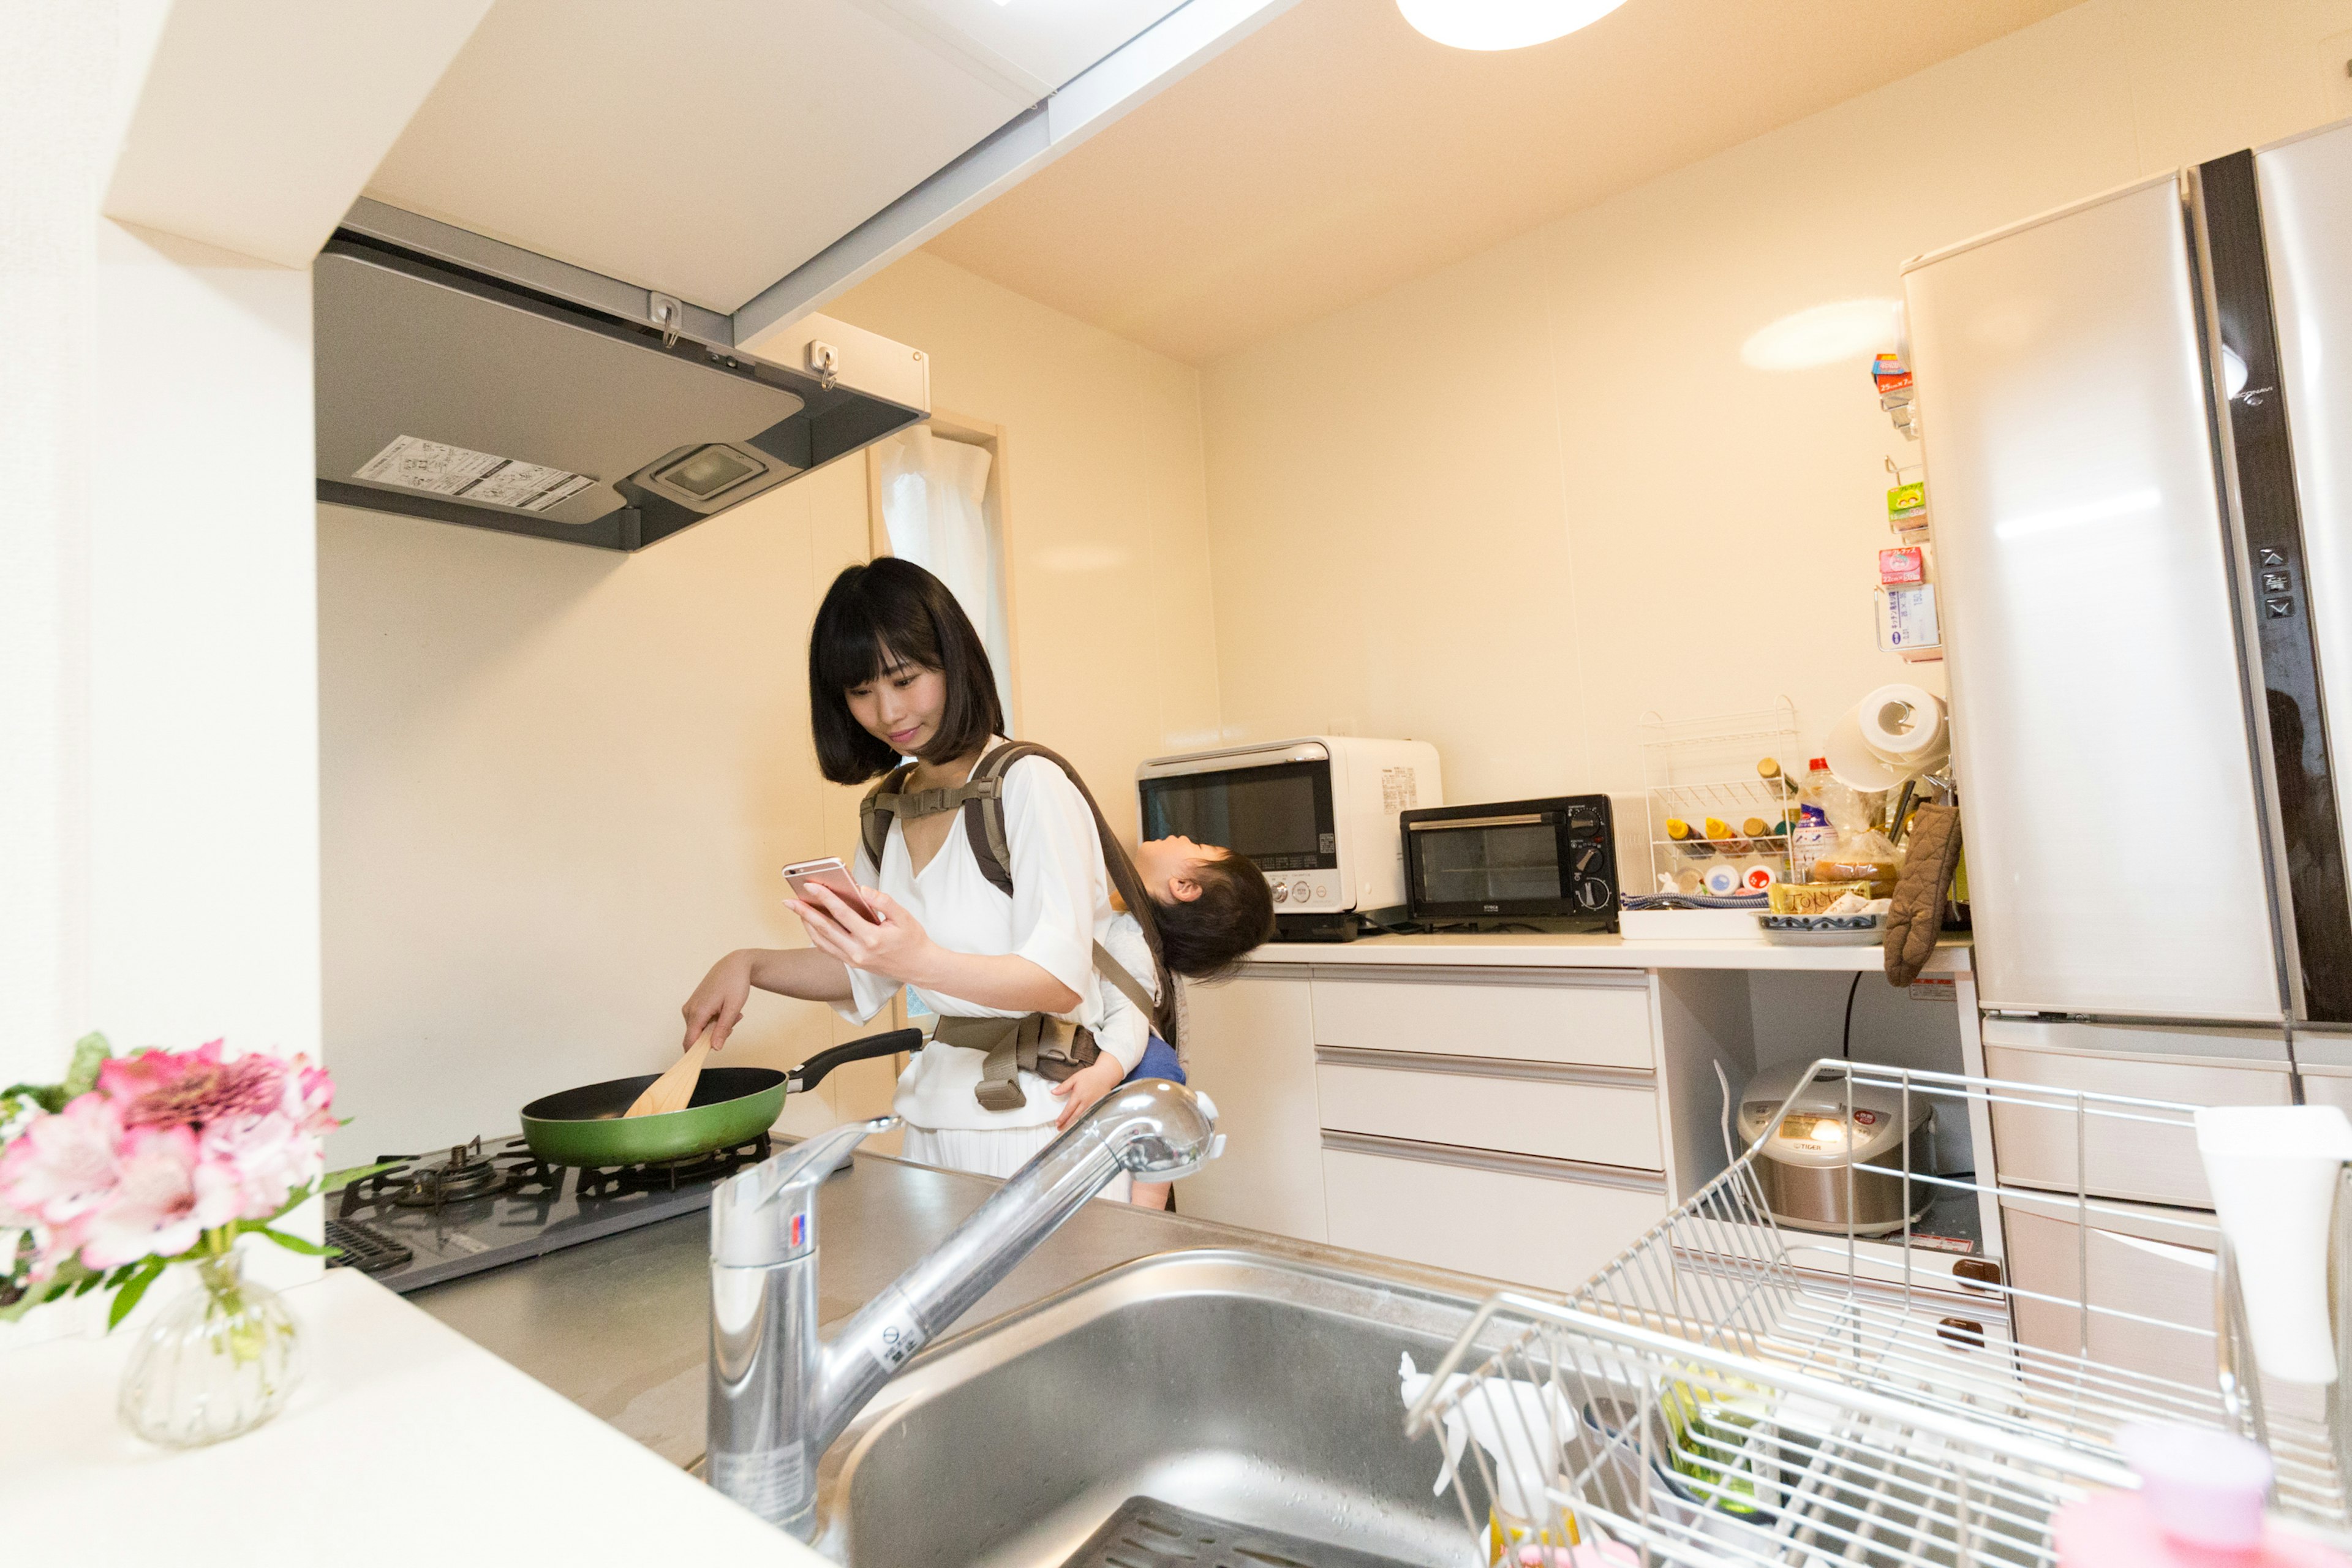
[777, 1397]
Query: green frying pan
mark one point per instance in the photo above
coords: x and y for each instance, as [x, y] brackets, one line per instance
[585, 1126]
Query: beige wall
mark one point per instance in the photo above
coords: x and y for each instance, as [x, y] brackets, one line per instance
[1108, 516]
[1515, 504]
[558, 783]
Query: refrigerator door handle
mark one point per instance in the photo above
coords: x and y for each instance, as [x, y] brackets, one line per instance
[2263, 539]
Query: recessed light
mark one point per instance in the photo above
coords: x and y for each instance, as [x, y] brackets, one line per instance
[1502, 24]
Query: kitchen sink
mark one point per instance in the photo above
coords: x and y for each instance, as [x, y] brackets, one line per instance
[1252, 1390]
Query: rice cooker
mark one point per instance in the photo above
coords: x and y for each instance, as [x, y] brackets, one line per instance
[1807, 1149]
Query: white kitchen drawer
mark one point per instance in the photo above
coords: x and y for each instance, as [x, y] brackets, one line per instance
[2146, 1162]
[1486, 1214]
[2143, 1261]
[1599, 1018]
[1596, 1115]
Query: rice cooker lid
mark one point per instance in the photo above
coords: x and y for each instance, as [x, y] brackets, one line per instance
[1813, 1132]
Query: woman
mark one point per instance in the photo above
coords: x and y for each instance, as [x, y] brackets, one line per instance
[894, 670]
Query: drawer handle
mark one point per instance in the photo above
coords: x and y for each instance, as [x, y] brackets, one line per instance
[1484, 1067]
[1581, 1172]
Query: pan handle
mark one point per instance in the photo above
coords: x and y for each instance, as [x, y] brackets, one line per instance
[806, 1076]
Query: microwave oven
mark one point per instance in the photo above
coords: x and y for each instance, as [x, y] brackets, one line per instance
[1551, 861]
[1318, 815]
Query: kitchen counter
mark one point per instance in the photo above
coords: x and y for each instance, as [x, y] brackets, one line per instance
[620, 1326]
[408, 1443]
[1531, 949]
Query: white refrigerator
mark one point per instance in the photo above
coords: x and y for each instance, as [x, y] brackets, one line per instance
[2137, 422]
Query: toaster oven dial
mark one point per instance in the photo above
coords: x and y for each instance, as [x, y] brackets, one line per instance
[1299, 892]
[1591, 894]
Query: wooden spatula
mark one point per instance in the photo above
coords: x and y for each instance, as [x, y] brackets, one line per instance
[674, 1088]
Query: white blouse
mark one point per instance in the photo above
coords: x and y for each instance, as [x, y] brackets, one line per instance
[1060, 905]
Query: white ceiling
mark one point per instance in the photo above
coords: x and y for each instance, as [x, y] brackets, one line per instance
[1336, 153]
[705, 150]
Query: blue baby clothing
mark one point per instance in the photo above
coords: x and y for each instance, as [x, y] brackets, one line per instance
[1159, 1061]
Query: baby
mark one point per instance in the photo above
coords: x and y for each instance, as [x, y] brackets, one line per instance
[1213, 906]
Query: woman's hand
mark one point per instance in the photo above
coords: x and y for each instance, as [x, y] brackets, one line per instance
[896, 948]
[717, 1005]
[1085, 1085]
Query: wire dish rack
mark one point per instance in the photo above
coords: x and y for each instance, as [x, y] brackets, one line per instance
[1713, 1395]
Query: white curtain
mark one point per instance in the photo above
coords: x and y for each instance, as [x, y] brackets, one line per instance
[934, 503]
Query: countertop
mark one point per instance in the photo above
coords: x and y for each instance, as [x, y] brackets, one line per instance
[406, 1443]
[1598, 951]
[620, 1326]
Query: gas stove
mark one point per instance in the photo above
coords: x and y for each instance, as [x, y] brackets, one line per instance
[476, 1207]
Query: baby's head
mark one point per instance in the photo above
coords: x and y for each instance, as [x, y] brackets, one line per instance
[1212, 905]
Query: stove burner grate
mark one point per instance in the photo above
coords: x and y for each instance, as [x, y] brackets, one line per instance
[668, 1175]
[364, 1248]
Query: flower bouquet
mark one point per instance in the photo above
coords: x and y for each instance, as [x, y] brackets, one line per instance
[134, 1163]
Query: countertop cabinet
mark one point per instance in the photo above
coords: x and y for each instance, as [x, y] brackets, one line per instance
[1501, 1121]
[1250, 1047]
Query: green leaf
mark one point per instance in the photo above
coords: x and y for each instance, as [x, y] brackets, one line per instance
[49, 1097]
[128, 1297]
[90, 1051]
[336, 1181]
[297, 1244]
[87, 1283]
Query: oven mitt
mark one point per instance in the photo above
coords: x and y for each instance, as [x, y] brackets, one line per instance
[1916, 916]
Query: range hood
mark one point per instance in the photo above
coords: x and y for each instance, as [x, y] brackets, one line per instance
[467, 381]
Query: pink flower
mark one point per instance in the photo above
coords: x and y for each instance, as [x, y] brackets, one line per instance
[62, 1166]
[165, 1197]
[265, 1158]
[190, 1088]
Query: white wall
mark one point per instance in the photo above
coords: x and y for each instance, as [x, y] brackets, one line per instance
[159, 788]
[1515, 504]
[558, 783]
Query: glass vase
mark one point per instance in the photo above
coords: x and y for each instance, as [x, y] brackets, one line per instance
[221, 1360]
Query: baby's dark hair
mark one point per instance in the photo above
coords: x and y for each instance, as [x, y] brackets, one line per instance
[1206, 937]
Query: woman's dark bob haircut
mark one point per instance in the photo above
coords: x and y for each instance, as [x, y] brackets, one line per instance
[873, 618]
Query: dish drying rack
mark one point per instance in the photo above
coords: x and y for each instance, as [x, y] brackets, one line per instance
[1706, 1398]
[1696, 768]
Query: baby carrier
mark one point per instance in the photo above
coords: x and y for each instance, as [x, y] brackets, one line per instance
[1039, 1043]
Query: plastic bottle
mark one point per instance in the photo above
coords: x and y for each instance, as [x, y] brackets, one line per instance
[2199, 1505]
[1812, 832]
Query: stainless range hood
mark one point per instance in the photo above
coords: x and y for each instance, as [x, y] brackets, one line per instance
[467, 381]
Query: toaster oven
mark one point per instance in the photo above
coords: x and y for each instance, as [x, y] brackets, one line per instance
[1552, 861]
[1318, 815]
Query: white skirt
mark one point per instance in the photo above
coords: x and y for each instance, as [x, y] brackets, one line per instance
[996, 1152]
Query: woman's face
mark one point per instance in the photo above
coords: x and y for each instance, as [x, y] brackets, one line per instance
[901, 706]
[1171, 868]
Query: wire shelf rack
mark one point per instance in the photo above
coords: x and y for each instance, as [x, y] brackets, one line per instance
[1707, 1397]
[1697, 769]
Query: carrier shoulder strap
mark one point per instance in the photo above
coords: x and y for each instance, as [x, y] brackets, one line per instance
[996, 856]
[874, 813]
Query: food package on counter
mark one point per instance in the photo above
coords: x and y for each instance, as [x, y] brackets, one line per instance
[1811, 897]
[1865, 857]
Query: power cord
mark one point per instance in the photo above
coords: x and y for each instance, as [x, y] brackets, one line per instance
[1845, 1039]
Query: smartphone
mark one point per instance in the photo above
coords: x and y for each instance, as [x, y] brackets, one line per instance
[837, 880]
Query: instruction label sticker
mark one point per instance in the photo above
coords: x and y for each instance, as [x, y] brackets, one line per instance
[897, 1333]
[1933, 990]
[439, 468]
[1399, 790]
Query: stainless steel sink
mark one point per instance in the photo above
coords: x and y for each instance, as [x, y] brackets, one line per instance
[1249, 1388]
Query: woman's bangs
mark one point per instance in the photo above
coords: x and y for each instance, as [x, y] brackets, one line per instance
[864, 640]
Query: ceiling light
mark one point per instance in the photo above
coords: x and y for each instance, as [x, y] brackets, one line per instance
[1502, 24]
[1850, 329]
